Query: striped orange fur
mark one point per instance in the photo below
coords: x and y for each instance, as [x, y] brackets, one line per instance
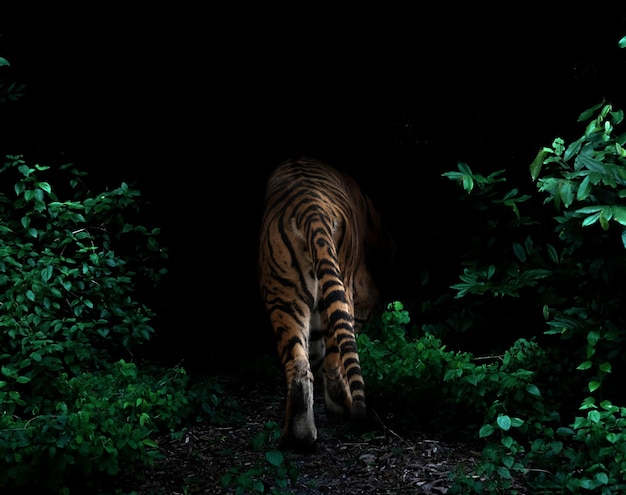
[316, 229]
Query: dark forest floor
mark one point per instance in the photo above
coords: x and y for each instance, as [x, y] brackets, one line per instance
[382, 461]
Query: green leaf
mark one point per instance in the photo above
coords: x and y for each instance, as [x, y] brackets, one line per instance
[537, 163]
[605, 215]
[584, 189]
[468, 183]
[508, 461]
[619, 214]
[591, 219]
[464, 168]
[594, 416]
[516, 422]
[504, 422]
[519, 252]
[573, 148]
[46, 273]
[622, 43]
[532, 389]
[274, 457]
[602, 478]
[504, 472]
[584, 366]
[565, 431]
[485, 431]
[593, 336]
[45, 186]
[589, 113]
[554, 256]
[566, 192]
[150, 443]
[594, 385]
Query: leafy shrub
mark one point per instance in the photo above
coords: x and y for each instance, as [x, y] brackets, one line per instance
[545, 403]
[580, 264]
[73, 406]
[9, 90]
[272, 475]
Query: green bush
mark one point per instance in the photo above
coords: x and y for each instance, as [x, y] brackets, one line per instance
[273, 475]
[73, 405]
[546, 267]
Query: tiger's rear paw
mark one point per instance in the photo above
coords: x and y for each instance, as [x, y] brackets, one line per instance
[302, 441]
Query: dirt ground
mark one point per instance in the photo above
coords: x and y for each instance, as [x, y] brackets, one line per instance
[380, 462]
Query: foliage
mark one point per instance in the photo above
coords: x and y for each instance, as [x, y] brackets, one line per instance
[9, 91]
[547, 404]
[74, 407]
[500, 395]
[213, 402]
[79, 405]
[272, 475]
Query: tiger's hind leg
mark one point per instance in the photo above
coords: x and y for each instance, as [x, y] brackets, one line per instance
[299, 430]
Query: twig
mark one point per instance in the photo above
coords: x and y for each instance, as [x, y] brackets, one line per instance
[393, 432]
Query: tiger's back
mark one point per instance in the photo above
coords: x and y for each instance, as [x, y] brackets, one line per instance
[315, 284]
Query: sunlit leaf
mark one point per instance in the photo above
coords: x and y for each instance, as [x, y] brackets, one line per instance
[591, 163]
[591, 219]
[590, 112]
[504, 422]
[605, 367]
[537, 163]
[532, 389]
[468, 183]
[464, 168]
[619, 214]
[605, 216]
[573, 148]
[566, 191]
[584, 189]
[594, 385]
[46, 273]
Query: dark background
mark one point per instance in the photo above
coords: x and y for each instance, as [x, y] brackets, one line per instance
[195, 105]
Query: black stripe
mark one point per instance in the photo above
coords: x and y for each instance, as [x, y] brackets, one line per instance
[356, 385]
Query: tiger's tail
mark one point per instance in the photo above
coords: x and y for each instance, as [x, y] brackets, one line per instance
[343, 380]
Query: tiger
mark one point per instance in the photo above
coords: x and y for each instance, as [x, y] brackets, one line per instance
[317, 230]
